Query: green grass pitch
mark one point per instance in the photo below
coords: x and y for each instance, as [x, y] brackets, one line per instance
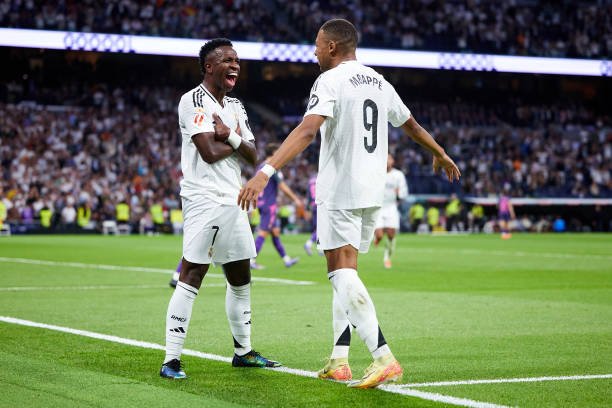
[452, 308]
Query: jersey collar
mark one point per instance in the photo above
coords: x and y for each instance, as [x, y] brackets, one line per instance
[207, 92]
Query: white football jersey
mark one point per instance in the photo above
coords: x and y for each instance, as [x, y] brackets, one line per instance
[395, 188]
[221, 180]
[357, 102]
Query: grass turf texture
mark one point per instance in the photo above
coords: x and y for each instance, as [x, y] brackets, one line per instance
[452, 308]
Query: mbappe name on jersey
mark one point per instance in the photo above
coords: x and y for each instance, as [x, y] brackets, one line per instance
[360, 79]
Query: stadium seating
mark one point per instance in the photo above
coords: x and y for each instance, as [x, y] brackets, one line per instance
[535, 27]
[114, 161]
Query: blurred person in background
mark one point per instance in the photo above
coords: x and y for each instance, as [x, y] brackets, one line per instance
[433, 218]
[311, 200]
[267, 205]
[69, 216]
[453, 212]
[416, 215]
[3, 209]
[476, 218]
[388, 223]
[505, 215]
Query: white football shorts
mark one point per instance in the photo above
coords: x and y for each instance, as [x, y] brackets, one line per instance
[214, 232]
[337, 228]
[388, 218]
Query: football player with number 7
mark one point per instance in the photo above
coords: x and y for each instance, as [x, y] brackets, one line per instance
[215, 229]
[351, 105]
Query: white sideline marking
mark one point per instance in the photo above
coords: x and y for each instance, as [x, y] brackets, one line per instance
[446, 399]
[449, 234]
[91, 287]
[513, 253]
[311, 374]
[507, 380]
[141, 269]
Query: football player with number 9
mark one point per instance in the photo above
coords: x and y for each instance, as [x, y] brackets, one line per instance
[351, 104]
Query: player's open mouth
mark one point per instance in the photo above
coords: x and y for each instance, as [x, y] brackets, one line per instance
[231, 79]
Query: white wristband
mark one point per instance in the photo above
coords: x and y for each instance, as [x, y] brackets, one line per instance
[268, 170]
[234, 140]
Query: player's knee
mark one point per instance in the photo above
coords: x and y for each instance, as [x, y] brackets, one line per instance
[238, 273]
[343, 257]
[193, 274]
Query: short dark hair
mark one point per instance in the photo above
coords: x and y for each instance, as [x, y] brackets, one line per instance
[342, 32]
[209, 47]
[271, 148]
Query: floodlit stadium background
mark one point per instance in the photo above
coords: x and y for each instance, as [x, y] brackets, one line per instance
[516, 91]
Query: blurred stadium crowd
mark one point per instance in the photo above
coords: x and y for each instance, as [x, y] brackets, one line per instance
[85, 137]
[113, 145]
[516, 27]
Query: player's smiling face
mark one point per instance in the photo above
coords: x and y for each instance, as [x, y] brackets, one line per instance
[224, 67]
[322, 51]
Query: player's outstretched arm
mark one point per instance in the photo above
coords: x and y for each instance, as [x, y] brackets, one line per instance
[297, 141]
[440, 159]
[293, 145]
[289, 193]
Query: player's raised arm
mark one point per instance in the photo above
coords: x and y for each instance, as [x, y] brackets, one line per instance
[440, 158]
[297, 141]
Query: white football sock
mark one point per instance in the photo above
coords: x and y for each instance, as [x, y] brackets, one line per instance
[177, 319]
[238, 310]
[342, 329]
[354, 298]
[175, 275]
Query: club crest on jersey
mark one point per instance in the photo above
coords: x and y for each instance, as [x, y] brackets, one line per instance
[314, 99]
[199, 117]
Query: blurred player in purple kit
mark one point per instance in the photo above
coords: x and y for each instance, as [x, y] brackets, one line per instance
[312, 206]
[267, 206]
[506, 213]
